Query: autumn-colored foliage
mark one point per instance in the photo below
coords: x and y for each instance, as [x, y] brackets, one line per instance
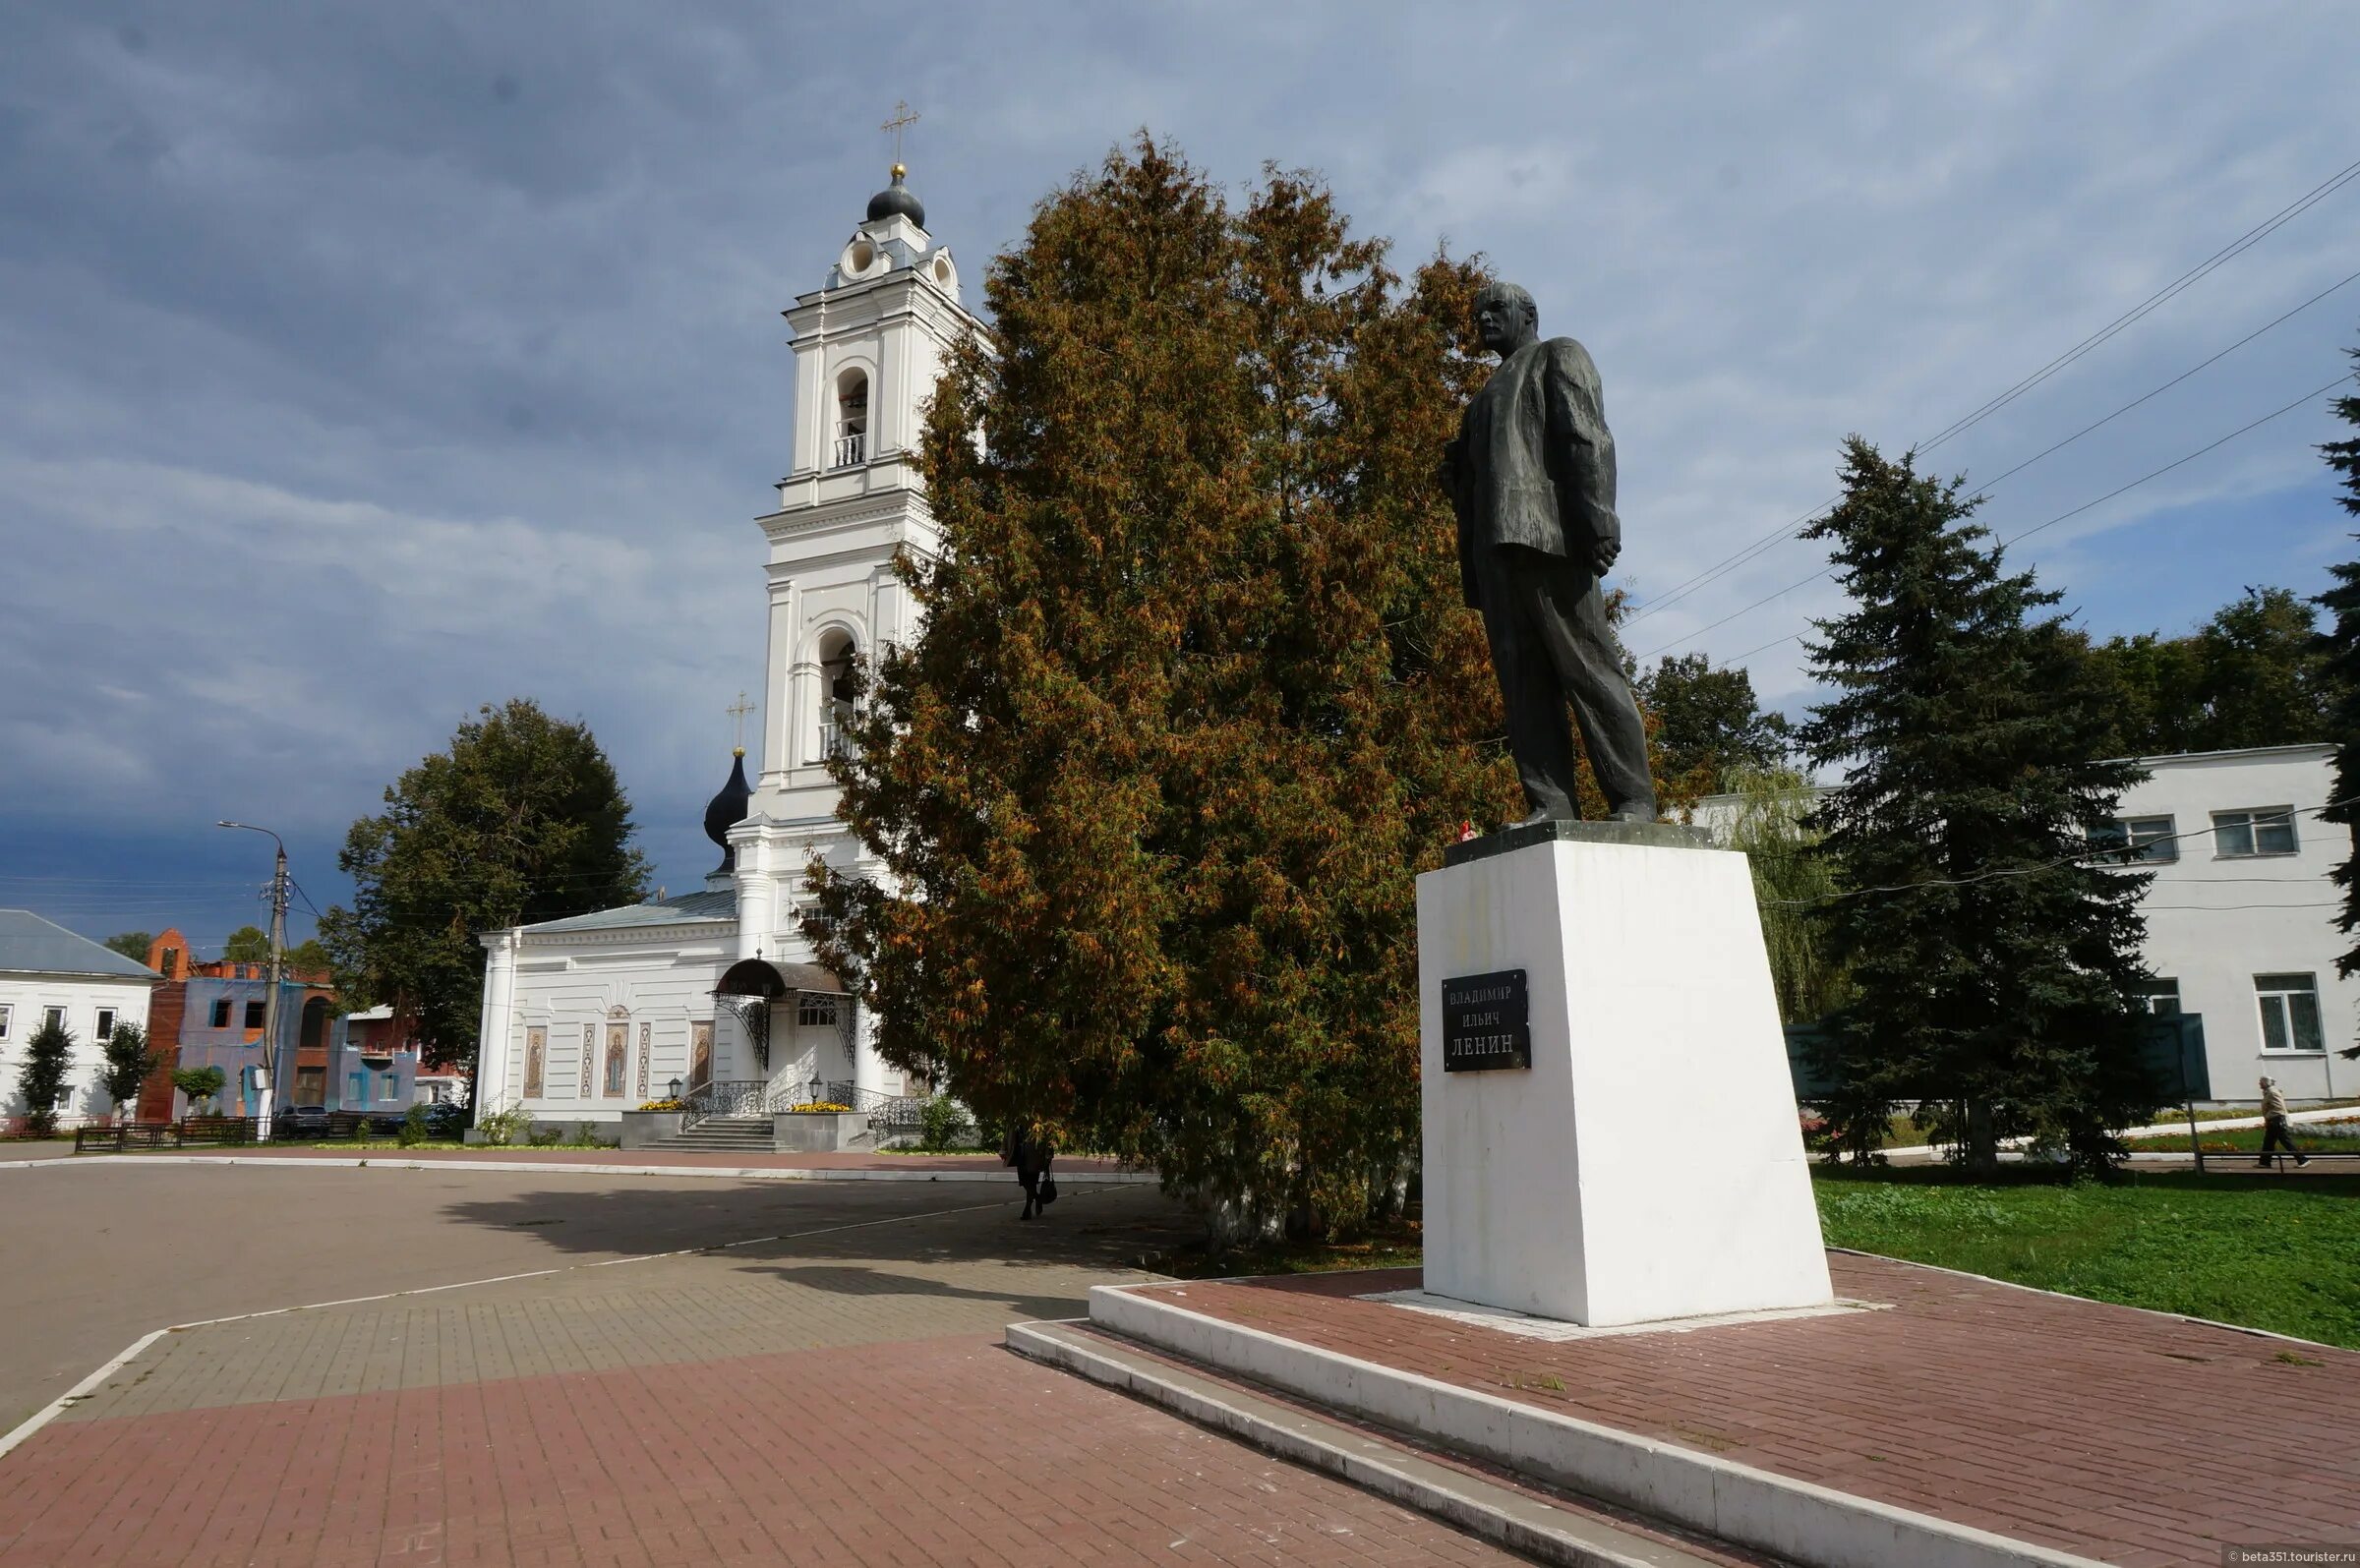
[1195, 701]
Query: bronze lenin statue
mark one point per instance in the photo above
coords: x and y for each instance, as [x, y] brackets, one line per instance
[1531, 477]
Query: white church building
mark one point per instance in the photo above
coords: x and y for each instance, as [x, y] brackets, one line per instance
[586, 1017]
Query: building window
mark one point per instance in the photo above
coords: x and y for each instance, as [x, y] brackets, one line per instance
[2290, 1013]
[2268, 830]
[851, 419]
[222, 1012]
[169, 963]
[2126, 840]
[815, 1009]
[255, 1011]
[6, 1012]
[107, 1026]
[2159, 997]
[53, 1016]
[356, 1088]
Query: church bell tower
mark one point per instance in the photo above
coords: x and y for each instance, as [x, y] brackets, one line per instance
[869, 345]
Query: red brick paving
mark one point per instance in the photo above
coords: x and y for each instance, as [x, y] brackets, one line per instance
[940, 1451]
[685, 1158]
[2115, 1433]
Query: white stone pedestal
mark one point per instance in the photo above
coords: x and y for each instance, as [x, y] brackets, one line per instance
[1648, 1164]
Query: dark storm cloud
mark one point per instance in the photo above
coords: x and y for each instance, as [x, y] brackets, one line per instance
[367, 362]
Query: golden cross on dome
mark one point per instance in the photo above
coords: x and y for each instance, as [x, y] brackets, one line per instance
[737, 711]
[903, 117]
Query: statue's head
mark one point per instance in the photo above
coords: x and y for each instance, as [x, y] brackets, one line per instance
[1506, 318]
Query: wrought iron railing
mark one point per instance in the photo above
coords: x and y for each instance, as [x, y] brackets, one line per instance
[887, 1112]
[746, 1097]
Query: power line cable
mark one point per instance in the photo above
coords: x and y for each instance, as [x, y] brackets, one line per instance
[1829, 570]
[2235, 247]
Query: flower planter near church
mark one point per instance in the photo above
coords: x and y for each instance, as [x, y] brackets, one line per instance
[823, 1132]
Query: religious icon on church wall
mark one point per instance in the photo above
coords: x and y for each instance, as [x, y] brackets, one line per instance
[700, 1053]
[536, 1058]
[619, 1046]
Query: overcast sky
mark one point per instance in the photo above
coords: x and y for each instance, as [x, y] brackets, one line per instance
[366, 363]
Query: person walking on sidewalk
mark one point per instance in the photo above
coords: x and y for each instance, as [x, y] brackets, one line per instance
[1030, 1151]
[2274, 1123]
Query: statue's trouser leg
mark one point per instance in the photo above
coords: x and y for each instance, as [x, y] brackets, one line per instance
[1586, 659]
[1535, 707]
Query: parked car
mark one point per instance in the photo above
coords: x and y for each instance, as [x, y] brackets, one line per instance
[303, 1121]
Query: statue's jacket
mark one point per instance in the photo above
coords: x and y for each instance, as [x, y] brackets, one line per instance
[1534, 464]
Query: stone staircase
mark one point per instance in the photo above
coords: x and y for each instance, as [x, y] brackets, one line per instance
[724, 1135]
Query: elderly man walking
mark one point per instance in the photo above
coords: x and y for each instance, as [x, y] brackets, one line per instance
[2274, 1123]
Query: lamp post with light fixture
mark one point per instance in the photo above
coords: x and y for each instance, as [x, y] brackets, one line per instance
[278, 955]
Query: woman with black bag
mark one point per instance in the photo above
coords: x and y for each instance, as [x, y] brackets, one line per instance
[1030, 1152]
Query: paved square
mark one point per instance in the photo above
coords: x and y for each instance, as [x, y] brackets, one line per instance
[828, 1390]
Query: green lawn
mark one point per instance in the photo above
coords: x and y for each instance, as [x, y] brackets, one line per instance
[2282, 1255]
[2277, 1256]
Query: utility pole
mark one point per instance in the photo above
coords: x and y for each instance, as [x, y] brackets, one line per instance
[263, 1084]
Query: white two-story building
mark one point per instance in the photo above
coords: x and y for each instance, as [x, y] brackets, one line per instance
[48, 973]
[2241, 914]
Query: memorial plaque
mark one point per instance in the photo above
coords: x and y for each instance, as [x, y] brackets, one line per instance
[1485, 1022]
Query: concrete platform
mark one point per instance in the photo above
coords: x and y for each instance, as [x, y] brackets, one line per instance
[1972, 1423]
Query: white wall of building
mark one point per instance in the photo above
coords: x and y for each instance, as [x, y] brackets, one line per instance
[570, 990]
[25, 999]
[2217, 918]
[2220, 920]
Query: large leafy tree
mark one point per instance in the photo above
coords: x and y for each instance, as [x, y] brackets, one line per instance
[1995, 963]
[521, 820]
[1195, 699]
[133, 945]
[1710, 727]
[2341, 649]
[2255, 675]
[49, 1058]
[248, 943]
[1770, 821]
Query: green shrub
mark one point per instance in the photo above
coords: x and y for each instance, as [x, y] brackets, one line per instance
[943, 1120]
[546, 1138]
[414, 1130]
[505, 1126]
[199, 1084]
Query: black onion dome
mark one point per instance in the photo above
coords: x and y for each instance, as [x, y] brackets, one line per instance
[726, 811]
[896, 197]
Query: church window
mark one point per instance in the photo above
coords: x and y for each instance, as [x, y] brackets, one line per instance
[851, 419]
[837, 658]
[816, 1009]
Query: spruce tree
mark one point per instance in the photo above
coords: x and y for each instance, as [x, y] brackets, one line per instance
[2341, 646]
[1195, 699]
[1995, 960]
[49, 1058]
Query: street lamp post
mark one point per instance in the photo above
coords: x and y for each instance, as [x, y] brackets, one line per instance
[262, 1085]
